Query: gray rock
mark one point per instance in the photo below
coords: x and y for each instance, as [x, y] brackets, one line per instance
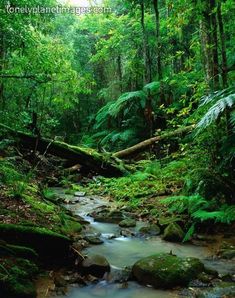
[95, 265]
[79, 194]
[127, 233]
[228, 254]
[92, 239]
[127, 223]
[151, 230]
[108, 216]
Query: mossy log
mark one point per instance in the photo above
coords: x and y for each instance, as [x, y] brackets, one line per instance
[89, 159]
[147, 143]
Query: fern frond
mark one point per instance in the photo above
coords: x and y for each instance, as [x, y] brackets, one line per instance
[125, 100]
[226, 214]
[190, 233]
[217, 95]
[232, 119]
[185, 203]
[152, 88]
[102, 115]
[124, 135]
[216, 110]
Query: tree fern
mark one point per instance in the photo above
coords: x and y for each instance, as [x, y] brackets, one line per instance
[152, 88]
[102, 116]
[232, 119]
[125, 100]
[222, 100]
[217, 95]
[125, 118]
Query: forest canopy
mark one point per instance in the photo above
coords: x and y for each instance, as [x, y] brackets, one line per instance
[122, 112]
[108, 75]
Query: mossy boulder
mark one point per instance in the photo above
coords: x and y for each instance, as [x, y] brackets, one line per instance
[151, 230]
[114, 216]
[127, 223]
[166, 271]
[49, 245]
[71, 227]
[173, 232]
[93, 239]
[16, 278]
[95, 265]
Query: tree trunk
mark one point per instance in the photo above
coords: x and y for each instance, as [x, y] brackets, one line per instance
[158, 41]
[2, 57]
[214, 44]
[146, 53]
[147, 143]
[89, 159]
[119, 64]
[224, 68]
[205, 53]
[205, 31]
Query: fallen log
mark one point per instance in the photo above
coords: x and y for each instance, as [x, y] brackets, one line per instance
[89, 159]
[147, 143]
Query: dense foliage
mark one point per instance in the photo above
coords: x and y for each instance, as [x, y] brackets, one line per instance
[110, 80]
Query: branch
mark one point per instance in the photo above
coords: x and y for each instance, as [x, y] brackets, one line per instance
[147, 143]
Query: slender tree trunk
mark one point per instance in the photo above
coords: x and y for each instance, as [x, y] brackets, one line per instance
[209, 43]
[158, 41]
[206, 58]
[214, 44]
[148, 62]
[146, 52]
[224, 68]
[2, 57]
[119, 64]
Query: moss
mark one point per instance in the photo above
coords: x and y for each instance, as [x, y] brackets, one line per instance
[71, 227]
[128, 222]
[45, 242]
[16, 278]
[38, 205]
[152, 230]
[18, 251]
[173, 232]
[166, 271]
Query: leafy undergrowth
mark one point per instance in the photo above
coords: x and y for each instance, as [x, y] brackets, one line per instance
[151, 179]
[22, 202]
[184, 189]
[33, 226]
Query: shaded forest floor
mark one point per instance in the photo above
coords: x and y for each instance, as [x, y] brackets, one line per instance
[30, 210]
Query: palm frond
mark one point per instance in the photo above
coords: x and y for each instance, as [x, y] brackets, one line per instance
[232, 118]
[216, 110]
[217, 95]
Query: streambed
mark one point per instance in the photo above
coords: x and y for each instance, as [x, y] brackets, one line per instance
[124, 251]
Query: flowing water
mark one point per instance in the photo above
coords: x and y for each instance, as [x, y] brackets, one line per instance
[124, 251]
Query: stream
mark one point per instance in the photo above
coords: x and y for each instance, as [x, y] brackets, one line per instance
[125, 251]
